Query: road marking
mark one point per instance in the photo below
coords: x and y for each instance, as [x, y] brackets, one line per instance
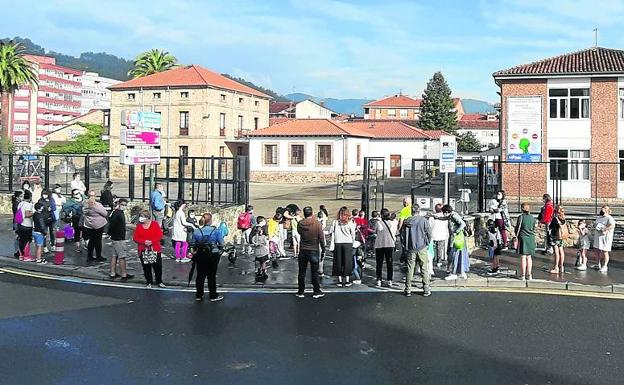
[569, 293]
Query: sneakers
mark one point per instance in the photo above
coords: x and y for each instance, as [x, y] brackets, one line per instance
[427, 293]
[407, 293]
[389, 283]
[523, 278]
[357, 281]
[216, 299]
[43, 262]
[198, 299]
[162, 285]
[178, 260]
[46, 250]
[450, 277]
[493, 271]
[317, 295]
[581, 267]
[439, 264]
[464, 276]
[379, 283]
[529, 277]
[127, 277]
[604, 269]
[185, 260]
[149, 286]
[299, 295]
[347, 284]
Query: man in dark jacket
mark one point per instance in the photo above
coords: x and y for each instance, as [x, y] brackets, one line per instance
[49, 208]
[418, 234]
[312, 238]
[117, 232]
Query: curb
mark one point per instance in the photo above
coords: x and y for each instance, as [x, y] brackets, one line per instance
[473, 281]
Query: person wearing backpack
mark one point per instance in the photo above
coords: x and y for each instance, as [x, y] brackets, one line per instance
[208, 246]
[559, 234]
[49, 208]
[246, 221]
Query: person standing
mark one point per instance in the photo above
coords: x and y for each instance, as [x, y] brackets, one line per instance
[59, 202]
[77, 184]
[545, 217]
[95, 219]
[604, 228]
[157, 204]
[418, 234]
[180, 226]
[296, 237]
[73, 209]
[107, 198]
[343, 235]
[385, 243]
[246, 221]
[208, 245]
[312, 240]
[525, 232]
[439, 235]
[49, 209]
[558, 234]
[39, 232]
[117, 232]
[458, 256]
[147, 236]
[16, 199]
[499, 213]
[405, 213]
[25, 226]
[322, 216]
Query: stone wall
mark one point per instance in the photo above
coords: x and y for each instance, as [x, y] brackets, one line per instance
[299, 177]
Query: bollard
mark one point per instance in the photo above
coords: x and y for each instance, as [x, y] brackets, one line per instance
[59, 248]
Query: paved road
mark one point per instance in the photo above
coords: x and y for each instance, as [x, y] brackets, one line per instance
[62, 333]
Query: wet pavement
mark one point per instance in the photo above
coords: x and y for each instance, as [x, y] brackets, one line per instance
[68, 333]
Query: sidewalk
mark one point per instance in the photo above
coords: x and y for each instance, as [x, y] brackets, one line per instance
[242, 272]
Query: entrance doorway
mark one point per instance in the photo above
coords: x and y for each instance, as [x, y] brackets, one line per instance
[395, 166]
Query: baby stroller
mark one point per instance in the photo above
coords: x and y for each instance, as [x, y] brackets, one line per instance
[273, 254]
[229, 251]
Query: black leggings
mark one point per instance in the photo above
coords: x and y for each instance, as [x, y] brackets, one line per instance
[147, 269]
[381, 254]
[95, 242]
[207, 264]
[25, 236]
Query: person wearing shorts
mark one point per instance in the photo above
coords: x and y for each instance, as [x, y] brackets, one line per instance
[39, 232]
[117, 233]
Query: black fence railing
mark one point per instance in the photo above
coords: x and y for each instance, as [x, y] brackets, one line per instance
[218, 181]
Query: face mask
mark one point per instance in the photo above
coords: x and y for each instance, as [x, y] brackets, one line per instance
[142, 219]
[602, 213]
[499, 196]
[57, 190]
[44, 196]
[25, 187]
[262, 224]
[192, 216]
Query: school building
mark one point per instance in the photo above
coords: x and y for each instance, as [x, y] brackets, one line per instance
[562, 125]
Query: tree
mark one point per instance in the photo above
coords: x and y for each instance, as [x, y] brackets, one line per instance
[151, 62]
[437, 111]
[468, 142]
[90, 142]
[15, 71]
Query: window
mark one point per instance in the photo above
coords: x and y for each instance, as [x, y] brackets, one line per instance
[184, 95]
[358, 154]
[570, 103]
[391, 112]
[403, 113]
[106, 119]
[621, 152]
[156, 95]
[324, 155]
[222, 124]
[131, 96]
[579, 164]
[223, 98]
[240, 122]
[256, 122]
[239, 150]
[270, 154]
[184, 153]
[222, 151]
[240, 100]
[256, 103]
[297, 154]
[569, 165]
[184, 123]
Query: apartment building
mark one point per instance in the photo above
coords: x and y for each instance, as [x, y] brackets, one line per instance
[400, 107]
[203, 113]
[485, 127]
[95, 92]
[46, 107]
[564, 118]
[304, 109]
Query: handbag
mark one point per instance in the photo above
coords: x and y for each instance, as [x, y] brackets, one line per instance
[332, 244]
[459, 241]
[149, 256]
[391, 235]
[515, 243]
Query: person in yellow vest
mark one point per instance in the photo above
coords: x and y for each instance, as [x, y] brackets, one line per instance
[405, 213]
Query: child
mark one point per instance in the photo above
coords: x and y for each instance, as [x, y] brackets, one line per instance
[39, 232]
[261, 242]
[189, 237]
[494, 244]
[584, 244]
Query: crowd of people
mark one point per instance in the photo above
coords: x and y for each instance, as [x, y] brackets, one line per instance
[423, 242]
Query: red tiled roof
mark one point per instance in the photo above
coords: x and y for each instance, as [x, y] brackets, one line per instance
[478, 124]
[192, 75]
[362, 128]
[395, 101]
[595, 60]
[274, 121]
[277, 107]
[473, 117]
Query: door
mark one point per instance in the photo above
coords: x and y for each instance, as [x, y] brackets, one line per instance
[395, 166]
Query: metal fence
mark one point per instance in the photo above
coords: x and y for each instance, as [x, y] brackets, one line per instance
[218, 181]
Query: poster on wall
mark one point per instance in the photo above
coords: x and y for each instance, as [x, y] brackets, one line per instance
[524, 129]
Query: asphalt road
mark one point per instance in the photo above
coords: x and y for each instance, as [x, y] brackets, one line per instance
[66, 333]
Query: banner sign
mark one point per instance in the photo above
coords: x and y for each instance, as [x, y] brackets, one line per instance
[524, 129]
[142, 119]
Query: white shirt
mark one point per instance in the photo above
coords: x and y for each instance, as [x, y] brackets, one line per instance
[78, 185]
[439, 227]
[26, 206]
[494, 210]
[179, 226]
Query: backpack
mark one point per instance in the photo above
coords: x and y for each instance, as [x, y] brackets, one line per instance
[244, 221]
[564, 233]
[19, 216]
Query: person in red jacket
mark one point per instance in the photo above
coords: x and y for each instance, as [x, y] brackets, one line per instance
[147, 237]
[545, 217]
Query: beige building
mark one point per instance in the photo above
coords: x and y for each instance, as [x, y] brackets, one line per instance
[401, 107]
[74, 128]
[203, 113]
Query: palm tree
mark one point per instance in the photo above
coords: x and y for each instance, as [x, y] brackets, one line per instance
[15, 71]
[151, 62]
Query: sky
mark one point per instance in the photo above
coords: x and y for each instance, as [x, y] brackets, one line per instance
[328, 48]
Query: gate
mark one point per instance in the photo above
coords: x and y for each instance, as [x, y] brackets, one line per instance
[373, 184]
